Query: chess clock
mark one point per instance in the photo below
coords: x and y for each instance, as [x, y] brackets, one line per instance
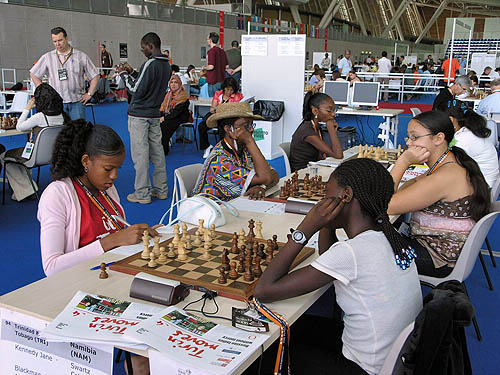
[157, 289]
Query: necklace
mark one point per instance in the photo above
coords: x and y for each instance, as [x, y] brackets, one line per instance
[438, 163]
[99, 205]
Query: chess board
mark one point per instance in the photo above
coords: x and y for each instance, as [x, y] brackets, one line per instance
[198, 272]
[302, 194]
[392, 155]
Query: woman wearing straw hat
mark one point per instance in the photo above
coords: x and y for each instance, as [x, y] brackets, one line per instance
[235, 166]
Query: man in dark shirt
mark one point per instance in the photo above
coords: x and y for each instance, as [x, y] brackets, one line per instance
[234, 60]
[106, 59]
[460, 86]
[217, 64]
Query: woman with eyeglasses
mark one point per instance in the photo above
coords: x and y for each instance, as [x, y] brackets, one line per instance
[307, 141]
[446, 201]
[235, 165]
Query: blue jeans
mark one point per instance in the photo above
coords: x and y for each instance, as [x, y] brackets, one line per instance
[75, 110]
[213, 88]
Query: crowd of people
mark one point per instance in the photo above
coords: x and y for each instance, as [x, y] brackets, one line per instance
[81, 216]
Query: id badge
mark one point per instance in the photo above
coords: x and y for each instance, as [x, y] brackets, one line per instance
[63, 74]
[27, 150]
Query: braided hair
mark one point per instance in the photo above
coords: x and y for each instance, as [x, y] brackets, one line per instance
[77, 138]
[312, 100]
[373, 187]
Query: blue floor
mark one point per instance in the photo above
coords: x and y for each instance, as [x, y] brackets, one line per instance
[20, 231]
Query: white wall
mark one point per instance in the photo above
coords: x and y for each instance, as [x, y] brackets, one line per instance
[460, 32]
[492, 28]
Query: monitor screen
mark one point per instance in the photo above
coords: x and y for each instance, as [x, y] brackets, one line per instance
[365, 93]
[337, 90]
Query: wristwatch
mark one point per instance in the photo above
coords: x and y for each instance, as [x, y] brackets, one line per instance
[299, 237]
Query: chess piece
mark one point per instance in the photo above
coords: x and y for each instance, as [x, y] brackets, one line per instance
[206, 236]
[261, 252]
[241, 238]
[222, 276]
[399, 151]
[200, 225]
[171, 251]
[257, 271]
[258, 230]
[197, 240]
[206, 252]
[241, 265]
[184, 232]
[156, 247]
[283, 194]
[212, 231]
[176, 235]
[162, 259]
[152, 262]
[275, 242]
[251, 233]
[145, 241]
[225, 260]
[103, 274]
[233, 273]
[248, 276]
[188, 244]
[181, 253]
[234, 247]
[255, 248]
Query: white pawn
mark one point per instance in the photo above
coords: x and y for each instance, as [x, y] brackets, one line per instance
[171, 251]
[162, 259]
[152, 263]
[188, 244]
[197, 240]
[181, 253]
[206, 252]
[212, 231]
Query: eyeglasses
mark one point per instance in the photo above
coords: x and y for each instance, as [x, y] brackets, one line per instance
[250, 126]
[413, 138]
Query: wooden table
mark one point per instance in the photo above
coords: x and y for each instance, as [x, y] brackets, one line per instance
[11, 132]
[46, 298]
[391, 118]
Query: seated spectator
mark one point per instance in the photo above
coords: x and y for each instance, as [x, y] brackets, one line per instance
[336, 76]
[228, 94]
[352, 77]
[176, 70]
[307, 141]
[317, 76]
[484, 80]
[461, 85]
[472, 135]
[49, 106]
[446, 201]
[491, 104]
[193, 80]
[235, 165]
[174, 110]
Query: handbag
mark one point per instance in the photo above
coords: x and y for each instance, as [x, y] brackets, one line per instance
[201, 206]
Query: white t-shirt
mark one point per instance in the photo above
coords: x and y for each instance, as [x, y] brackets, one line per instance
[378, 298]
[482, 151]
[384, 65]
[38, 119]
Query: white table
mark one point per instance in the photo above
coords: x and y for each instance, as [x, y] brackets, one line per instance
[46, 298]
[391, 118]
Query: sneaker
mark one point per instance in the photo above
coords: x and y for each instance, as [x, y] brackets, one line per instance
[132, 198]
[207, 151]
[157, 195]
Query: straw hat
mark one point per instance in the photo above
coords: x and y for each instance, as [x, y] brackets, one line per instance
[228, 110]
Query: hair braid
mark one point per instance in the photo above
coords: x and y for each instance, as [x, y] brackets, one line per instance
[374, 191]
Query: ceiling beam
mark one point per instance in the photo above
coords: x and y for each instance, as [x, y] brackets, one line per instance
[398, 25]
[333, 8]
[359, 16]
[468, 10]
[432, 20]
[294, 9]
[493, 3]
[395, 18]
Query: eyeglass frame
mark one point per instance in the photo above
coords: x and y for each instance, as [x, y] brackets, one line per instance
[413, 138]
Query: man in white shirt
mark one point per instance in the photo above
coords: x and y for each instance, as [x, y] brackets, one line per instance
[491, 104]
[67, 68]
[384, 66]
[495, 73]
[345, 65]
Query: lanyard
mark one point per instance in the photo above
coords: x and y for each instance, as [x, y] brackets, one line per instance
[99, 205]
[284, 335]
[438, 162]
[67, 57]
[236, 155]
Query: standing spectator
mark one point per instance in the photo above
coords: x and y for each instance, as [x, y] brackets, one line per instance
[325, 63]
[217, 64]
[234, 60]
[148, 87]
[167, 53]
[67, 68]
[106, 59]
[463, 63]
[384, 66]
[345, 65]
[429, 60]
[455, 65]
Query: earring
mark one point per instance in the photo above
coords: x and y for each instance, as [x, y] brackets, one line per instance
[315, 116]
[85, 169]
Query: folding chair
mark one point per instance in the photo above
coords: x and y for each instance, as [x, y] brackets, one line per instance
[184, 180]
[18, 103]
[285, 151]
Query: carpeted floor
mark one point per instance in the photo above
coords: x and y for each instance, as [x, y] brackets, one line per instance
[20, 231]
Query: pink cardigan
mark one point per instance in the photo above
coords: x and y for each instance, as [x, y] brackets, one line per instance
[59, 213]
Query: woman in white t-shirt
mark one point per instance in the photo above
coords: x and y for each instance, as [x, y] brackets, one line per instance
[474, 138]
[49, 106]
[376, 284]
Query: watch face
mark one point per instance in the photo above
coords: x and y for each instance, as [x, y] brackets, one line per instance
[298, 236]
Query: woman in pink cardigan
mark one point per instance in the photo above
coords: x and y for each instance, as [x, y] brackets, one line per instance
[77, 212]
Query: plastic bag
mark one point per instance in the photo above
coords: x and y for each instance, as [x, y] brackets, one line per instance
[271, 110]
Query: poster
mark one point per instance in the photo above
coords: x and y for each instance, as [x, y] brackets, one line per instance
[291, 45]
[24, 351]
[253, 45]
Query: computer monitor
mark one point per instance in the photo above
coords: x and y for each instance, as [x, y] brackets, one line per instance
[338, 91]
[365, 94]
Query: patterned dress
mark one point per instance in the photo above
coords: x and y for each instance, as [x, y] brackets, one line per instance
[442, 228]
[225, 174]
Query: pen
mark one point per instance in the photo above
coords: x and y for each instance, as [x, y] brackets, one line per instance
[121, 220]
[99, 266]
